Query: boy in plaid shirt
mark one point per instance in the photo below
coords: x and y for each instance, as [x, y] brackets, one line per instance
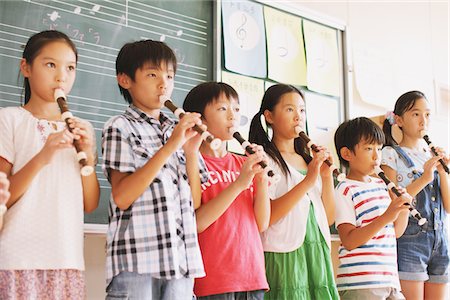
[153, 166]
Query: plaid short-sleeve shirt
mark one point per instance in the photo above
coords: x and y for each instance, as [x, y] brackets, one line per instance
[157, 234]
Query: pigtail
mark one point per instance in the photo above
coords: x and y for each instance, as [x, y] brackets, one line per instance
[387, 130]
[258, 135]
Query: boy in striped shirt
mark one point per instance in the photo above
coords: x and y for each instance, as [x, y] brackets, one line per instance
[367, 220]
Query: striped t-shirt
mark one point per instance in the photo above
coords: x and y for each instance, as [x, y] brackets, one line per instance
[374, 264]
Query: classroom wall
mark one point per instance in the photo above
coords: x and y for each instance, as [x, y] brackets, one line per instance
[415, 35]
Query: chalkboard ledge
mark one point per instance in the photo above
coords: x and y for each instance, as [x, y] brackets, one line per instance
[95, 229]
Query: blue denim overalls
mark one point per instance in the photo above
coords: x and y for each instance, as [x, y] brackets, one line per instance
[422, 253]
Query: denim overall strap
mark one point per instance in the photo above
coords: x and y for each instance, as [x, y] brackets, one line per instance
[428, 201]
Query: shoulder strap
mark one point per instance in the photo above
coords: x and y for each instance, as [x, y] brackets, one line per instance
[403, 156]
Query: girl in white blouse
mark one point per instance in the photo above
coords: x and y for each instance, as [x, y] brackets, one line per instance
[297, 242]
[41, 242]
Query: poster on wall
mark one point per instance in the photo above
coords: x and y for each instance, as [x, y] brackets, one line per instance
[250, 91]
[322, 123]
[322, 58]
[285, 51]
[244, 38]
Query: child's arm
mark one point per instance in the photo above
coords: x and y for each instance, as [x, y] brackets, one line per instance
[127, 187]
[444, 179]
[353, 237]
[417, 185]
[261, 204]
[209, 212]
[84, 133]
[191, 151]
[328, 191]
[20, 181]
[281, 206]
[4, 196]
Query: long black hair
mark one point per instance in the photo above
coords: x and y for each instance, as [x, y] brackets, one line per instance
[259, 136]
[34, 47]
[404, 103]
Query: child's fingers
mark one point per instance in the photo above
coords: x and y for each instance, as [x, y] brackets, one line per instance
[192, 119]
[4, 182]
[4, 196]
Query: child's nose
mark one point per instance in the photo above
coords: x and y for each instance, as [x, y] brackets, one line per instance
[376, 155]
[231, 114]
[61, 76]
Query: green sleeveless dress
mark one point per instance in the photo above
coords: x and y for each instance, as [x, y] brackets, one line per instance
[305, 273]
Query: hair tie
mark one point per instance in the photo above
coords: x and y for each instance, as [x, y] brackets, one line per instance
[390, 116]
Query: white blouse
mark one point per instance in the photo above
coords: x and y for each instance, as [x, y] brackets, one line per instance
[289, 232]
[44, 228]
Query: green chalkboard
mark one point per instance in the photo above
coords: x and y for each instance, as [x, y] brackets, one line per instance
[99, 29]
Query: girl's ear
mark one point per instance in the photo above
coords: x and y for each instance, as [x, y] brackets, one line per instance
[268, 116]
[124, 80]
[25, 68]
[398, 120]
[346, 153]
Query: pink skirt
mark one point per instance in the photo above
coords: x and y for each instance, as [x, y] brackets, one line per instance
[42, 284]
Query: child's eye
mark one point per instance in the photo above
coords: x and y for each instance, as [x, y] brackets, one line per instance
[237, 109]
[71, 68]
[222, 108]
[50, 65]
[427, 115]
[290, 109]
[151, 75]
[170, 76]
[302, 110]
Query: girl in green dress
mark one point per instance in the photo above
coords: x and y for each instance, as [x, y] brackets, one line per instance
[297, 242]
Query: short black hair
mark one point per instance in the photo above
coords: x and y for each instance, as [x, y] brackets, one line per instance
[351, 132]
[205, 93]
[133, 56]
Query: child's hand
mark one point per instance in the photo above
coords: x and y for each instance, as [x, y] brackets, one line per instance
[441, 153]
[193, 144]
[398, 205]
[262, 176]
[84, 134]
[183, 130]
[315, 165]
[428, 168]
[251, 167]
[55, 141]
[325, 170]
[4, 187]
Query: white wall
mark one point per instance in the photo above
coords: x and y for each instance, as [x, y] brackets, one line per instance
[416, 37]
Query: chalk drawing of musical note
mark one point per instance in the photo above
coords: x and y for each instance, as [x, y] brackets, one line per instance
[241, 32]
[95, 9]
[54, 15]
[77, 10]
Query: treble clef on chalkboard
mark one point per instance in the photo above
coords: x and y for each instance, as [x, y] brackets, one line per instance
[241, 33]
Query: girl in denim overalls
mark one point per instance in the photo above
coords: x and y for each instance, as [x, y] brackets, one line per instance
[423, 256]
